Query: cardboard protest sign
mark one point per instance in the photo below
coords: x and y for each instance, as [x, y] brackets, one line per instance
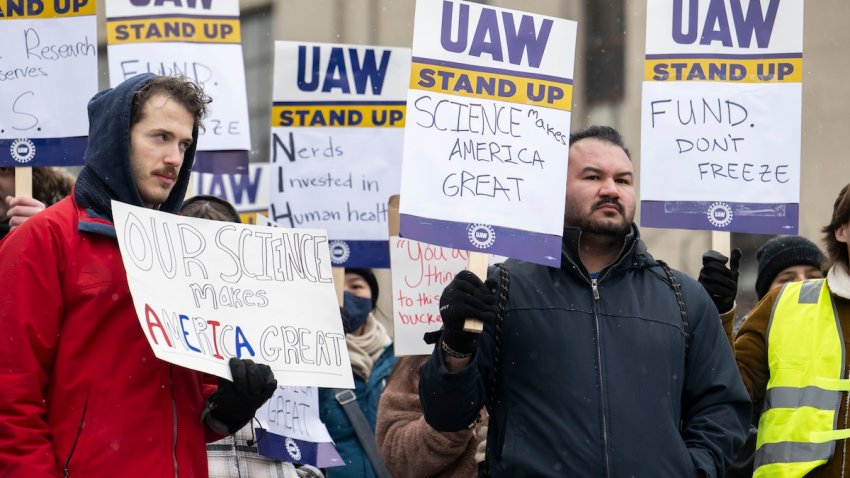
[205, 291]
[200, 40]
[337, 134]
[420, 272]
[247, 191]
[292, 431]
[486, 140]
[48, 73]
[721, 109]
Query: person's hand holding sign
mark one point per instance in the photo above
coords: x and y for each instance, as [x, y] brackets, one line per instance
[21, 208]
[466, 297]
[233, 405]
[719, 281]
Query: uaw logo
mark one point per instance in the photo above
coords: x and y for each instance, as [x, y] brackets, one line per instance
[340, 252]
[22, 150]
[481, 236]
[720, 214]
[292, 448]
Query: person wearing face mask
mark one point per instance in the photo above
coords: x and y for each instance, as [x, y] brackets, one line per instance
[372, 359]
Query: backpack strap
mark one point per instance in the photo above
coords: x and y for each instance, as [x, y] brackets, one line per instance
[680, 299]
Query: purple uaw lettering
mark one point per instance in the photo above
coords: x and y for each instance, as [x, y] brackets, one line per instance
[716, 24]
[205, 4]
[487, 37]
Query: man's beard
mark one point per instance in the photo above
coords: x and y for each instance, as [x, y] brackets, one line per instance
[602, 227]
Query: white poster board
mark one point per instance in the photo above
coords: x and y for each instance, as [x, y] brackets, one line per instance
[721, 116]
[487, 132]
[48, 73]
[337, 131]
[205, 291]
[420, 272]
[201, 40]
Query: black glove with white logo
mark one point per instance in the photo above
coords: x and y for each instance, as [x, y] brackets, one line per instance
[466, 297]
[719, 281]
[234, 404]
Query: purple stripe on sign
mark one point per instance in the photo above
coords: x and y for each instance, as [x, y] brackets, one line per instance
[43, 151]
[221, 162]
[529, 246]
[339, 103]
[722, 56]
[293, 450]
[497, 71]
[174, 15]
[370, 254]
[754, 218]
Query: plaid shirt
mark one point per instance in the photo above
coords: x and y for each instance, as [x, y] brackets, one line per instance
[232, 457]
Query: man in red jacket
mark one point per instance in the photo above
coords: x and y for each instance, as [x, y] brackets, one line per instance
[82, 393]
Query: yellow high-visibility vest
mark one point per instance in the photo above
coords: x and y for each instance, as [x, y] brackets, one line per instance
[805, 353]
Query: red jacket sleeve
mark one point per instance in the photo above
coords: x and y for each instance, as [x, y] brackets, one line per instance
[30, 312]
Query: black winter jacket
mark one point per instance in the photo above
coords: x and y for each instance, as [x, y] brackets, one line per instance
[599, 387]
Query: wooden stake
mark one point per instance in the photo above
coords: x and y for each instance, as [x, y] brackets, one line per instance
[721, 241]
[23, 182]
[477, 264]
[339, 282]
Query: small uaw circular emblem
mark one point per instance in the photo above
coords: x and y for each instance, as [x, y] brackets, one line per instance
[481, 236]
[292, 448]
[720, 214]
[22, 150]
[339, 252]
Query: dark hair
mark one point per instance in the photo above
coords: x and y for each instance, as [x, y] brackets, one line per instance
[603, 133]
[783, 252]
[50, 184]
[370, 279]
[210, 207]
[836, 252]
[179, 88]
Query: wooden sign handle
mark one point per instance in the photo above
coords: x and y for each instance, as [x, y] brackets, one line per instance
[721, 241]
[339, 282]
[477, 264]
[23, 181]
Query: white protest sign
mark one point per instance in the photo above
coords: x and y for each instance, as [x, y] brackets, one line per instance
[294, 412]
[486, 140]
[205, 291]
[721, 116]
[337, 134]
[247, 191]
[292, 431]
[48, 73]
[420, 272]
[201, 40]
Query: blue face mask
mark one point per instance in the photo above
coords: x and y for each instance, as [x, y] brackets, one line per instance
[358, 309]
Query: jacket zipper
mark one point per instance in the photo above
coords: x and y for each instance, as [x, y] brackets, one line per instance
[174, 411]
[66, 470]
[594, 286]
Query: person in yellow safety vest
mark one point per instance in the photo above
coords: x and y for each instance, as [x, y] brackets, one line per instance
[791, 352]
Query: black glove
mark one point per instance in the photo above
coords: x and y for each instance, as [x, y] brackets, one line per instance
[235, 403]
[719, 281]
[466, 297]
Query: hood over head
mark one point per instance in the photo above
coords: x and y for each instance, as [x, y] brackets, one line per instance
[107, 174]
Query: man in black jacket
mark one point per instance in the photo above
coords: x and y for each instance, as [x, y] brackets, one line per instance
[610, 366]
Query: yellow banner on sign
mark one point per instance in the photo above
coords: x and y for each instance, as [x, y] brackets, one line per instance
[20, 9]
[762, 70]
[339, 115]
[492, 86]
[173, 29]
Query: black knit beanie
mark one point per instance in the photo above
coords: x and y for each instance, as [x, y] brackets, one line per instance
[780, 253]
[369, 276]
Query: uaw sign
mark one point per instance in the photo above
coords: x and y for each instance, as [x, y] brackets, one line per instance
[720, 136]
[487, 132]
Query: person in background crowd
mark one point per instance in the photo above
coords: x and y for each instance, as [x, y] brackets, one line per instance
[371, 352]
[780, 260]
[791, 352]
[49, 186]
[236, 456]
[408, 445]
[611, 365]
[82, 392]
